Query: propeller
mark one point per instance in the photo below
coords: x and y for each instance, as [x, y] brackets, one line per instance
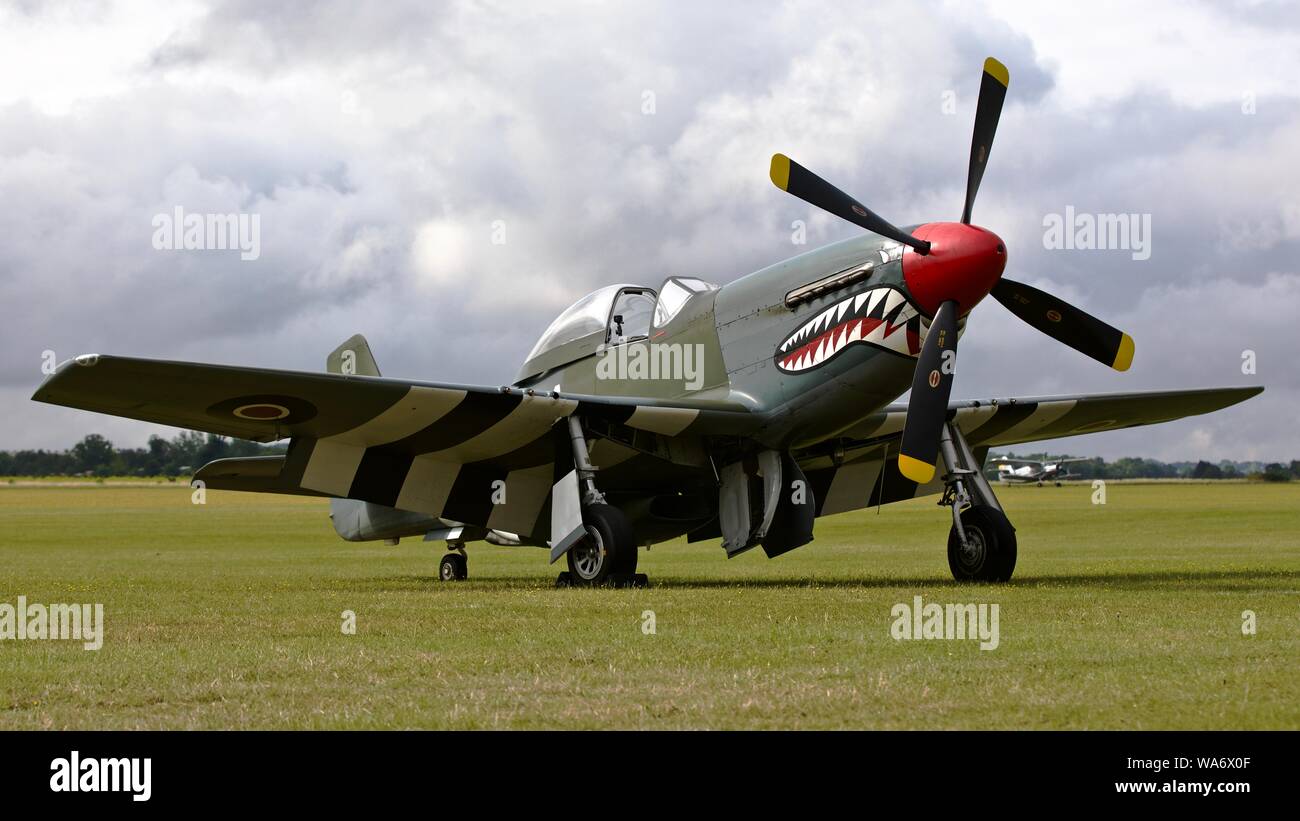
[988, 109]
[954, 266]
[793, 178]
[1066, 324]
[927, 409]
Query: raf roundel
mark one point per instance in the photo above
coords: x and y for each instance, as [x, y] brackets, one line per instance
[261, 412]
[270, 407]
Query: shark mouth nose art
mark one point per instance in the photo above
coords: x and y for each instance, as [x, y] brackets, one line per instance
[881, 317]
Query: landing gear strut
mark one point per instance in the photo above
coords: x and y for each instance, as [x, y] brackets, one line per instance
[607, 554]
[982, 542]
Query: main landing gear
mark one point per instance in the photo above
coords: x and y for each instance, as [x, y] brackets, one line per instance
[982, 542]
[607, 554]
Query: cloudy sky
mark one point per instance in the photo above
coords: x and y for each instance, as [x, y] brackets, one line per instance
[385, 149]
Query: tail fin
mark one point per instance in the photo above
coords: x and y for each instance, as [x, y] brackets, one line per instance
[352, 357]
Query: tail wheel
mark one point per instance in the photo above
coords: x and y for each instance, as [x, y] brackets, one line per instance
[453, 568]
[989, 554]
[608, 549]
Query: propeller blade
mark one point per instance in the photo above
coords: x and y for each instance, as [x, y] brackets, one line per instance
[793, 178]
[927, 408]
[993, 90]
[1066, 323]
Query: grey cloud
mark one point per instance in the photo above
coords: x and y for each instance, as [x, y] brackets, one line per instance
[380, 147]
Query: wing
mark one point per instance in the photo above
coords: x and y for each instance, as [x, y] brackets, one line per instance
[998, 422]
[455, 451]
[861, 469]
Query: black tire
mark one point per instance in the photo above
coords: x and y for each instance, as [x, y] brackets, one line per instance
[453, 568]
[992, 557]
[608, 549]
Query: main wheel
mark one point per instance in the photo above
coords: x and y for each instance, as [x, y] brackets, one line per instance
[608, 549]
[989, 554]
[453, 568]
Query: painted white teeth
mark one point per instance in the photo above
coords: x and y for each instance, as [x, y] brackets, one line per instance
[813, 344]
[827, 317]
[892, 301]
[876, 296]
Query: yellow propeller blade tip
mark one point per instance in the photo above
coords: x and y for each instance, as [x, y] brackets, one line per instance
[915, 469]
[997, 71]
[780, 171]
[1124, 356]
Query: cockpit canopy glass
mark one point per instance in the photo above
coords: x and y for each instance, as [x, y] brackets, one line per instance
[674, 294]
[594, 314]
[630, 318]
[620, 313]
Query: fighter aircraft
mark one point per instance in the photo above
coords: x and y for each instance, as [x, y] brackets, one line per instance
[1011, 470]
[742, 412]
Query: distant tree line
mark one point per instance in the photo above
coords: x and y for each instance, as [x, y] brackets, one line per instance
[96, 456]
[189, 450]
[1136, 468]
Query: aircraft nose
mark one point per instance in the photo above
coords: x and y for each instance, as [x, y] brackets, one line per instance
[964, 263]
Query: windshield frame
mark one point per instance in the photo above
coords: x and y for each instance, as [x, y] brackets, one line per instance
[691, 286]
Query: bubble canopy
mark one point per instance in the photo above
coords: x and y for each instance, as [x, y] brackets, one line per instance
[583, 318]
[614, 314]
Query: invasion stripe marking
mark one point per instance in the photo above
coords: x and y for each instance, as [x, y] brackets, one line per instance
[332, 466]
[610, 413]
[1006, 417]
[470, 499]
[427, 485]
[885, 424]
[606, 453]
[335, 459]
[970, 419]
[667, 421]
[380, 475]
[525, 492]
[540, 451]
[893, 423]
[1045, 414]
[533, 417]
[851, 488]
[295, 461]
[482, 427]
[476, 414]
[892, 486]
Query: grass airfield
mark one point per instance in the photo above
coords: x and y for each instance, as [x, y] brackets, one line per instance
[228, 615]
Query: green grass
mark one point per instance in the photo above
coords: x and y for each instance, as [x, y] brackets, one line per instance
[227, 615]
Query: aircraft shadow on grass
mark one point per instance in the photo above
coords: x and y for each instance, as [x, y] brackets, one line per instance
[1263, 579]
